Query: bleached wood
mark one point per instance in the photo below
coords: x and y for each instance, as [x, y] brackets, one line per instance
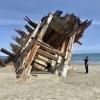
[45, 27]
[68, 56]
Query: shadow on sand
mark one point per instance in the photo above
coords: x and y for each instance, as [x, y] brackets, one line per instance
[39, 72]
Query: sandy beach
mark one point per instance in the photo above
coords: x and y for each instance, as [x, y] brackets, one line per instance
[77, 85]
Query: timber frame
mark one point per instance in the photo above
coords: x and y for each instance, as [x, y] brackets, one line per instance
[46, 45]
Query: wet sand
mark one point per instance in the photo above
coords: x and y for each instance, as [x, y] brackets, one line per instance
[77, 85]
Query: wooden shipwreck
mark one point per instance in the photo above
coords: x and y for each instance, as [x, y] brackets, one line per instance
[46, 46]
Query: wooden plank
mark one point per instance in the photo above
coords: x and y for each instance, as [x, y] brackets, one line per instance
[30, 22]
[7, 52]
[30, 40]
[45, 44]
[29, 29]
[45, 27]
[41, 62]
[32, 53]
[38, 66]
[15, 48]
[46, 54]
[51, 50]
[43, 59]
[20, 32]
[17, 39]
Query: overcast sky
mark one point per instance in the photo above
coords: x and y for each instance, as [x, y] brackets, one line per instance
[12, 13]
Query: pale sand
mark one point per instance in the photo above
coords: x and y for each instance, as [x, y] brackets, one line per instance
[77, 85]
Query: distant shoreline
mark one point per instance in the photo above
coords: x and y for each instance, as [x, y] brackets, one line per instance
[94, 58]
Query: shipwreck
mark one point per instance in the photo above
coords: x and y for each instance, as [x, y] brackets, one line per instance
[47, 45]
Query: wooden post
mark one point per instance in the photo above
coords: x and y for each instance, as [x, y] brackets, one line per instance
[60, 63]
[68, 56]
[32, 35]
[45, 27]
[26, 65]
[62, 50]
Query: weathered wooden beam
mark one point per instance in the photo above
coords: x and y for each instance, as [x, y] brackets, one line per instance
[23, 62]
[31, 38]
[32, 53]
[46, 54]
[66, 17]
[78, 42]
[58, 13]
[24, 37]
[59, 66]
[45, 27]
[62, 49]
[40, 62]
[68, 56]
[45, 44]
[30, 22]
[51, 50]
[24, 71]
[69, 32]
[7, 52]
[87, 24]
[20, 32]
[17, 39]
[38, 66]
[29, 29]
[80, 30]
[43, 59]
[60, 25]
[15, 48]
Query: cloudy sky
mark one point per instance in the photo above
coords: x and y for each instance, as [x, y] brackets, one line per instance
[12, 13]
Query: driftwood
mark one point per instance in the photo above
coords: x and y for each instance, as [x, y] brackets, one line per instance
[46, 45]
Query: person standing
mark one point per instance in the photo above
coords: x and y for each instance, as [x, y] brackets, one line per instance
[86, 64]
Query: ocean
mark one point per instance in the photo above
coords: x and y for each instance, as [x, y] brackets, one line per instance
[78, 58]
[3, 57]
[93, 58]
